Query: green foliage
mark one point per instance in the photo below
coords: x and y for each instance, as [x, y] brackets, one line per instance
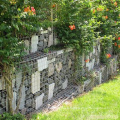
[92, 19]
[106, 48]
[7, 116]
[17, 20]
[75, 13]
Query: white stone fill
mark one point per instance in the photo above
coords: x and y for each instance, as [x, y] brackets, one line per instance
[35, 83]
[93, 62]
[50, 69]
[59, 67]
[42, 64]
[59, 52]
[18, 80]
[22, 101]
[93, 50]
[27, 44]
[50, 61]
[64, 85]
[14, 101]
[34, 43]
[50, 42]
[39, 101]
[51, 90]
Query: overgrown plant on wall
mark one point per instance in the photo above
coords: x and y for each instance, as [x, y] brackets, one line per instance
[80, 22]
[18, 18]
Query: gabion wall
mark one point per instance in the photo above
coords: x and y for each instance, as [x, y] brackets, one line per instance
[50, 73]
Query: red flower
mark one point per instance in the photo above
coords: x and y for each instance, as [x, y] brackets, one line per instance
[108, 55]
[87, 60]
[115, 44]
[72, 27]
[106, 17]
[93, 11]
[53, 5]
[101, 9]
[33, 10]
[115, 3]
[118, 38]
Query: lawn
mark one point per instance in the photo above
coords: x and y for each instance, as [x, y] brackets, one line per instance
[103, 103]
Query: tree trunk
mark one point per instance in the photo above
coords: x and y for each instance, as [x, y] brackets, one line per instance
[9, 89]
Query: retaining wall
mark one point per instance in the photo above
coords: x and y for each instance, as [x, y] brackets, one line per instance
[50, 73]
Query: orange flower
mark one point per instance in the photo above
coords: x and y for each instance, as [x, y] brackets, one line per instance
[108, 55]
[118, 38]
[107, 9]
[115, 3]
[98, 9]
[53, 5]
[118, 46]
[27, 9]
[30, 12]
[115, 44]
[93, 11]
[72, 27]
[106, 17]
[87, 60]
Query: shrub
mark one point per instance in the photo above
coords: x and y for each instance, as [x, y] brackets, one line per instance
[7, 116]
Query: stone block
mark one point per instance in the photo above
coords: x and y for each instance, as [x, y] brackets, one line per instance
[89, 65]
[34, 43]
[50, 41]
[93, 50]
[65, 84]
[44, 32]
[51, 61]
[18, 80]
[93, 62]
[41, 43]
[50, 69]
[51, 90]
[59, 52]
[49, 29]
[22, 101]
[99, 47]
[27, 44]
[14, 100]
[58, 67]
[35, 82]
[41, 37]
[69, 63]
[39, 101]
[42, 63]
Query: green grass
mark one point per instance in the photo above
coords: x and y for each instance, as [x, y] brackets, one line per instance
[103, 103]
